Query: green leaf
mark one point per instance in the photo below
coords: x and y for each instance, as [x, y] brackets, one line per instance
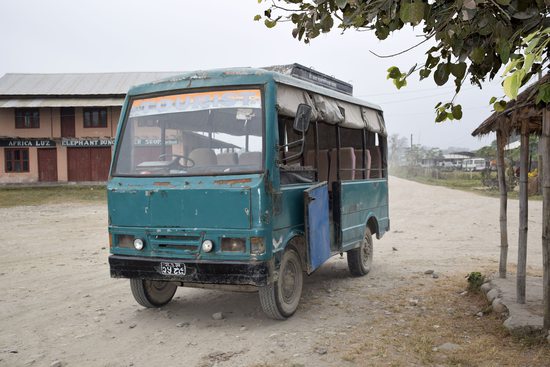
[394, 73]
[511, 85]
[441, 74]
[326, 23]
[270, 23]
[532, 44]
[400, 83]
[543, 94]
[500, 106]
[457, 112]
[441, 116]
[382, 32]
[257, 17]
[412, 11]
[431, 61]
[530, 37]
[511, 65]
[458, 70]
[503, 49]
[528, 63]
[477, 55]
[492, 100]
[424, 73]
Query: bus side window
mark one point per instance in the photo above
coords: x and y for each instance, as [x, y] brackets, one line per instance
[296, 167]
[354, 160]
[377, 147]
[287, 135]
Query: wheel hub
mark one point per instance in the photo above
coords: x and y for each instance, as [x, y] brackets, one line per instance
[289, 282]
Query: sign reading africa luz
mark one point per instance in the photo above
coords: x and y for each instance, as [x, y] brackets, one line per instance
[16, 143]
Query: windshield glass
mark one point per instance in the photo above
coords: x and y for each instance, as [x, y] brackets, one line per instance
[205, 133]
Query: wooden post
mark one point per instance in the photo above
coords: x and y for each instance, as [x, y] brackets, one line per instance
[523, 210]
[501, 169]
[545, 142]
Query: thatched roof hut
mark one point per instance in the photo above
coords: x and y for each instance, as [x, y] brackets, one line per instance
[519, 111]
[524, 117]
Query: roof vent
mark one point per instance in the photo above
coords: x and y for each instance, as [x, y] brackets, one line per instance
[304, 73]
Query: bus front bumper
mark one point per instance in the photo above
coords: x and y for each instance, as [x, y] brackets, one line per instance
[196, 271]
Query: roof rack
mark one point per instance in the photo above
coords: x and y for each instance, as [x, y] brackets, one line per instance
[313, 76]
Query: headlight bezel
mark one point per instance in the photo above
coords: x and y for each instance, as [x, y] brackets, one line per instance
[233, 245]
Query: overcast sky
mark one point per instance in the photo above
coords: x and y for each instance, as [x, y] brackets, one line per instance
[57, 36]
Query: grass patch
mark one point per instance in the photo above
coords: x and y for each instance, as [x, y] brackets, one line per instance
[458, 180]
[18, 196]
[412, 334]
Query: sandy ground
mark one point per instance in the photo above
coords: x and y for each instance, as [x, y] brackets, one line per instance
[58, 303]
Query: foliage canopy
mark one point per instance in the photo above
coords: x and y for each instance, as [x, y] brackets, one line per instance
[474, 38]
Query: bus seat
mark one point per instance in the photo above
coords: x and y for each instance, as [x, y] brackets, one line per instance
[203, 157]
[376, 162]
[347, 164]
[227, 159]
[359, 163]
[251, 159]
[323, 168]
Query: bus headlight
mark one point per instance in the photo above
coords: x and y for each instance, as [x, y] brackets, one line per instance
[234, 244]
[257, 245]
[207, 245]
[138, 244]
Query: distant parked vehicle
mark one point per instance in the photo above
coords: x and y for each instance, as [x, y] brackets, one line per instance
[447, 166]
[474, 164]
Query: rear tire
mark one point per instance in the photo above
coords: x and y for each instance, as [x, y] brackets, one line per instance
[360, 259]
[152, 293]
[280, 299]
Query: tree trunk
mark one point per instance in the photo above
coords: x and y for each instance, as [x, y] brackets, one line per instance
[501, 169]
[523, 210]
[545, 142]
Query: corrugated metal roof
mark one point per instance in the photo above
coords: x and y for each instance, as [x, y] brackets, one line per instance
[60, 102]
[75, 84]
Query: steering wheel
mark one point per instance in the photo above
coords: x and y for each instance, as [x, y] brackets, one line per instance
[176, 159]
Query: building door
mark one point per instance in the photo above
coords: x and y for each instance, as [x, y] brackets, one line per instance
[67, 122]
[47, 164]
[101, 161]
[88, 164]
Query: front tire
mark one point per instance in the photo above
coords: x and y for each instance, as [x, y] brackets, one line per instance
[152, 293]
[360, 259]
[280, 299]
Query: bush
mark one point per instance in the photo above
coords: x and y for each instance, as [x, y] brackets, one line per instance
[475, 280]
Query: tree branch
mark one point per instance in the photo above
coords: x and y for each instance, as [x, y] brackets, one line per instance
[401, 52]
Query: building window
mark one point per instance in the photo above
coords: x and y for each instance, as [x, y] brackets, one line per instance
[27, 118]
[17, 160]
[95, 117]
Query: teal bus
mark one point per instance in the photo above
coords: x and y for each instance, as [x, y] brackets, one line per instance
[244, 179]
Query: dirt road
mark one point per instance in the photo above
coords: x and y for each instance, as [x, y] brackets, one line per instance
[58, 303]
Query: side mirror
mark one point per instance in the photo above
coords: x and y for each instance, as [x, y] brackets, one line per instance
[303, 116]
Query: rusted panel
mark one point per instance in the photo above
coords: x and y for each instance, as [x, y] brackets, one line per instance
[233, 182]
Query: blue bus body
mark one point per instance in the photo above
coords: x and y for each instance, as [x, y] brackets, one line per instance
[233, 229]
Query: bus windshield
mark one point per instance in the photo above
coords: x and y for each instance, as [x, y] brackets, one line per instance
[203, 133]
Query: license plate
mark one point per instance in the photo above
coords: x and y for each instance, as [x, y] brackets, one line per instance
[172, 268]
